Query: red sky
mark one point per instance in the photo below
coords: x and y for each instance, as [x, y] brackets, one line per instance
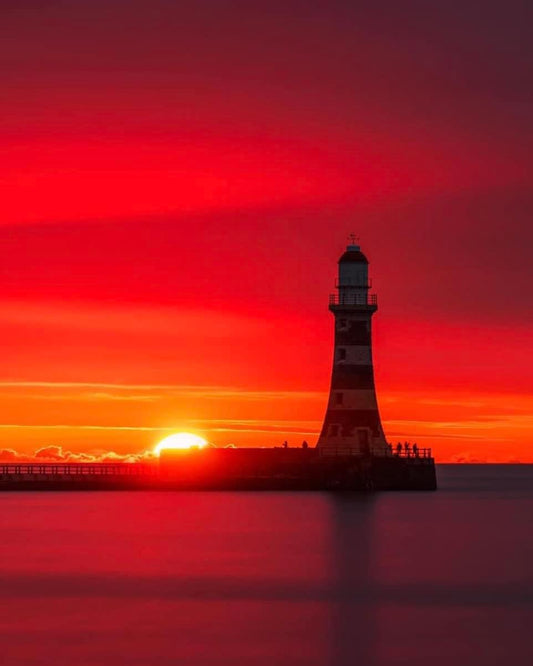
[178, 180]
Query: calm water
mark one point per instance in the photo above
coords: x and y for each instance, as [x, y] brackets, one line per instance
[272, 579]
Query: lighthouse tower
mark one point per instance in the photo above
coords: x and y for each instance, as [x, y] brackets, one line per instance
[352, 424]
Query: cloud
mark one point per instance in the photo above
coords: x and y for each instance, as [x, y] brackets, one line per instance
[10, 455]
[55, 453]
[467, 457]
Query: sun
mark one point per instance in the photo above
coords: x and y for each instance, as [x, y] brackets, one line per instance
[181, 440]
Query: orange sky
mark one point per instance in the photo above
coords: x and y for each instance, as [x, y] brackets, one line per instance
[177, 187]
[92, 376]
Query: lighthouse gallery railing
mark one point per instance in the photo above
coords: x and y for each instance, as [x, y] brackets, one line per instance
[353, 299]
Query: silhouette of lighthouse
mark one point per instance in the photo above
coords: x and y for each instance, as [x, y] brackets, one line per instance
[352, 423]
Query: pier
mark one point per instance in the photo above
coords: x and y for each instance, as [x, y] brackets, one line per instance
[279, 468]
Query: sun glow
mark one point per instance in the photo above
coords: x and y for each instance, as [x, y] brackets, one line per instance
[181, 440]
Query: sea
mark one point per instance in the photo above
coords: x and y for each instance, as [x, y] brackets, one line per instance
[272, 579]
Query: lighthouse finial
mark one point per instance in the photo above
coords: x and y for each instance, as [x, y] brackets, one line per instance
[353, 239]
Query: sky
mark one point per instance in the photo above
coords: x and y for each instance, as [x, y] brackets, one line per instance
[178, 181]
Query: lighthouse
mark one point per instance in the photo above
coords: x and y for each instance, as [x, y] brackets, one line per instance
[352, 423]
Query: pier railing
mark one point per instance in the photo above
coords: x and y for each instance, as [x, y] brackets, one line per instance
[411, 454]
[77, 469]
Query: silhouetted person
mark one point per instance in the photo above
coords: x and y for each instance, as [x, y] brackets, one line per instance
[415, 449]
[406, 447]
[285, 444]
[399, 449]
[305, 445]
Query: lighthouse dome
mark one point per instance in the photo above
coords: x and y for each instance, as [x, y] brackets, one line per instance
[353, 255]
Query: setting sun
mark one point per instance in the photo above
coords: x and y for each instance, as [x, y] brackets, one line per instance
[181, 440]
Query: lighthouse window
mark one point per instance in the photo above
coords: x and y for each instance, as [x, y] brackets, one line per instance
[339, 398]
[342, 354]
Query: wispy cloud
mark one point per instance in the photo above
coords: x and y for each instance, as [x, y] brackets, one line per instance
[214, 425]
[64, 426]
[58, 454]
[168, 389]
